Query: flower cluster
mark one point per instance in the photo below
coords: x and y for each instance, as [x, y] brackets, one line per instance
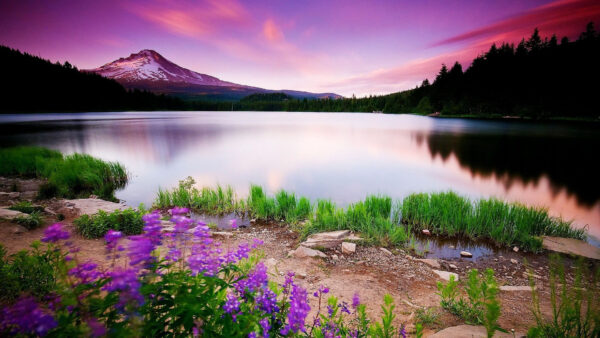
[26, 317]
[55, 233]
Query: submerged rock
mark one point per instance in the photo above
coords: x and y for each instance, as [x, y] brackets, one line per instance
[571, 246]
[466, 254]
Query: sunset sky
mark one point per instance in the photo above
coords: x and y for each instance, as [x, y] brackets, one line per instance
[360, 47]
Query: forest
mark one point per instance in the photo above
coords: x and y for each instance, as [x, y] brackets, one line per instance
[538, 78]
[32, 84]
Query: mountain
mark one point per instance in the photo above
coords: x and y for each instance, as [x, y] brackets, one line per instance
[148, 70]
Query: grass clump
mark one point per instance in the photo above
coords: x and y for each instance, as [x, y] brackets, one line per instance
[71, 176]
[504, 223]
[372, 218]
[30, 221]
[128, 221]
[26, 207]
[575, 305]
[31, 272]
[206, 200]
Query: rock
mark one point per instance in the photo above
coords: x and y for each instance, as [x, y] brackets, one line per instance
[431, 262]
[514, 261]
[90, 206]
[516, 249]
[167, 226]
[511, 288]
[386, 251]
[223, 234]
[19, 229]
[10, 214]
[466, 254]
[426, 232]
[454, 267]
[94, 197]
[445, 275]
[468, 331]
[253, 220]
[571, 246]
[334, 257]
[271, 262]
[328, 239]
[301, 274]
[303, 252]
[348, 248]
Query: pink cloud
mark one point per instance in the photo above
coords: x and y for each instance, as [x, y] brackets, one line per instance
[271, 31]
[559, 17]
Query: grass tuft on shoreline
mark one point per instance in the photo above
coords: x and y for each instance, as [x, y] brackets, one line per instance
[71, 176]
[378, 218]
[446, 213]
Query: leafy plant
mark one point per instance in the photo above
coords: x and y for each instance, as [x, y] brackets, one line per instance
[128, 221]
[26, 207]
[30, 221]
[32, 272]
[575, 305]
[427, 316]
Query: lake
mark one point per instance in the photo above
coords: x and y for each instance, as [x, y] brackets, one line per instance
[342, 156]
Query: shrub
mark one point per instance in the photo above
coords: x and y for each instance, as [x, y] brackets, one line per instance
[31, 272]
[182, 291]
[480, 306]
[128, 221]
[575, 305]
[30, 221]
[26, 207]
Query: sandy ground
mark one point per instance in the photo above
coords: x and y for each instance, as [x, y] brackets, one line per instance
[369, 271]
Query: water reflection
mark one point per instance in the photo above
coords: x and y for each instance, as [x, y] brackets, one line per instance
[338, 156]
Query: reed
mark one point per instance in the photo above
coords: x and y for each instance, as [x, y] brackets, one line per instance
[76, 175]
[447, 213]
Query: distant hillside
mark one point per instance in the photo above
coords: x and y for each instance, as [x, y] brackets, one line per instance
[148, 70]
[538, 78]
[32, 84]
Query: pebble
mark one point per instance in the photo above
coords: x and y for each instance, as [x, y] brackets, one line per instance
[514, 261]
[466, 254]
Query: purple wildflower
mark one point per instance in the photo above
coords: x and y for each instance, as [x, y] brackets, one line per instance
[111, 238]
[127, 284]
[299, 309]
[266, 326]
[344, 307]
[256, 243]
[232, 305]
[329, 311]
[179, 211]
[86, 273]
[233, 223]
[355, 300]
[256, 279]
[267, 301]
[55, 233]
[97, 329]
[25, 317]
[289, 281]
[140, 250]
[252, 334]
[402, 331]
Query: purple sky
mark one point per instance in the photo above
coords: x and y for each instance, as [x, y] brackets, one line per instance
[361, 47]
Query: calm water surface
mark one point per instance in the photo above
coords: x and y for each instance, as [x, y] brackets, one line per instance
[339, 156]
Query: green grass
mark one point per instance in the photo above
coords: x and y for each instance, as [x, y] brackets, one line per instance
[128, 221]
[31, 221]
[378, 218]
[70, 176]
[26, 207]
[447, 213]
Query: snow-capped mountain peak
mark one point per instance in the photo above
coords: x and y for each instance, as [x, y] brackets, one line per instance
[149, 66]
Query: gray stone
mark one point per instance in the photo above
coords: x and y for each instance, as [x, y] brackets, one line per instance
[303, 252]
[386, 251]
[571, 246]
[514, 261]
[516, 249]
[426, 232]
[431, 262]
[19, 229]
[90, 206]
[328, 240]
[468, 331]
[348, 248]
[10, 214]
[515, 288]
[454, 267]
[466, 254]
[445, 275]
